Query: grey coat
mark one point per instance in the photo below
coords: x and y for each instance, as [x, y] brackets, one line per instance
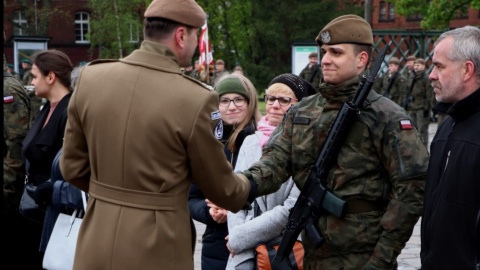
[245, 231]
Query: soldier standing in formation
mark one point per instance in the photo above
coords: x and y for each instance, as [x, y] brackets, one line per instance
[219, 72]
[11, 70]
[312, 72]
[418, 98]
[384, 191]
[392, 85]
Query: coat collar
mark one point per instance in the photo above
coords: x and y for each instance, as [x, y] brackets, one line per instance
[464, 108]
[154, 56]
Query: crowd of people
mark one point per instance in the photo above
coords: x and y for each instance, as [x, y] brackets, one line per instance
[161, 143]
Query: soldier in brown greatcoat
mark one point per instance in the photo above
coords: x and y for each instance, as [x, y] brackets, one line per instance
[139, 132]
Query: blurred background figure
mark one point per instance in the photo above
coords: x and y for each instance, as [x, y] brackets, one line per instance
[312, 72]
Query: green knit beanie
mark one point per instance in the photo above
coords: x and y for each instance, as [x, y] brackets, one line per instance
[231, 85]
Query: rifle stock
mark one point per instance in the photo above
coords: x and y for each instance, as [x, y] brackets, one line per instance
[315, 198]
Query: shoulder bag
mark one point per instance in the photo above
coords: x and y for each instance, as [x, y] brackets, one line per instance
[265, 252]
[60, 250]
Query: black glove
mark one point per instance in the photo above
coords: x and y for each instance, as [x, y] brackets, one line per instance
[43, 194]
[426, 113]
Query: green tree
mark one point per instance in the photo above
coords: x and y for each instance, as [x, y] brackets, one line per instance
[436, 14]
[116, 26]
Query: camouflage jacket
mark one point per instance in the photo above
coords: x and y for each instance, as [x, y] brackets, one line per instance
[397, 89]
[383, 160]
[16, 110]
[314, 79]
[419, 95]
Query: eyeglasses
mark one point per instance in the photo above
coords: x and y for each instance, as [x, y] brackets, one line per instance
[238, 101]
[283, 101]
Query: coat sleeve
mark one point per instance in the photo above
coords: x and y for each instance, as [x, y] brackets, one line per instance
[198, 207]
[74, 162]
[268, 225]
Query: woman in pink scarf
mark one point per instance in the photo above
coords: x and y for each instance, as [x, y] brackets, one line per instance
[247, 229]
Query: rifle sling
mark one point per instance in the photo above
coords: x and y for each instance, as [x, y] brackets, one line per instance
[357, 206]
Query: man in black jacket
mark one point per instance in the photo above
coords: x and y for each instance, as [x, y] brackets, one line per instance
[450, 232]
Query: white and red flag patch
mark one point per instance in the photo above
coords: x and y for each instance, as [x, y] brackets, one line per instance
[406, 124]
[8, 99]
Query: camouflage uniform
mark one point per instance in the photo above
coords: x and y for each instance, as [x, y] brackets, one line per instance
[380, 163]
[16, 110]
[397, 90]
[418, 101]
[314, 79]
[27, 77]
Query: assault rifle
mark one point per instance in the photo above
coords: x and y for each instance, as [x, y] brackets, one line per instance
[315, 198]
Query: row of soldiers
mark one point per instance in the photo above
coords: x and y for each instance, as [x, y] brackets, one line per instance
[412, 90]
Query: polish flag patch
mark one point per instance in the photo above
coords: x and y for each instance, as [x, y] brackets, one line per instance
[406, 124]
[8, 99]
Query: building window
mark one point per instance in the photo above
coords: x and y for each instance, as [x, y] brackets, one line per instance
[19, 23]
[391, 11]
[82, 27]
[383, 11]
[387, 12]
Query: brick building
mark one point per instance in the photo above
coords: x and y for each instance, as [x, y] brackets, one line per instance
[69, 24]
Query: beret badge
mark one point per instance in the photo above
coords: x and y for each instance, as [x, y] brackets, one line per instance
[325, 37]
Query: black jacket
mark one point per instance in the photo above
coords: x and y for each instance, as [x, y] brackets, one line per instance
[214, 250]
[450, 232]
[41, 145]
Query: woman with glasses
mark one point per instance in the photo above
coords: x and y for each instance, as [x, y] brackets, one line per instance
[238, 107]
[264, 223]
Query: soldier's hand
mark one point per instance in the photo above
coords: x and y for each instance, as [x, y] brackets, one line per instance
[43, 194]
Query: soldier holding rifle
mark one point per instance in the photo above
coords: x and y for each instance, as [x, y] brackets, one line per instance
[381, 165]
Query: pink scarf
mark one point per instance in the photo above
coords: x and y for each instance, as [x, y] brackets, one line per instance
[266, 130]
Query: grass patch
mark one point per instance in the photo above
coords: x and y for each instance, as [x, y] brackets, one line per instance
[261, 107]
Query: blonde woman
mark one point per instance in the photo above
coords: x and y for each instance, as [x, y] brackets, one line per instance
[247, 229]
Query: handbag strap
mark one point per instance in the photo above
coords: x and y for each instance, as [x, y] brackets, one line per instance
[84, 200]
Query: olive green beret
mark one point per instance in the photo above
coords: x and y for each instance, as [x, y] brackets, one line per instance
[394, 60]
[346, 29]
[187, 12]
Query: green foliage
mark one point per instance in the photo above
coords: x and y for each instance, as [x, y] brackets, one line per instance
[436, 14]
[114, 23]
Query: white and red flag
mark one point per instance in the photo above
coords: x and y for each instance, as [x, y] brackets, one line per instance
[205, 48]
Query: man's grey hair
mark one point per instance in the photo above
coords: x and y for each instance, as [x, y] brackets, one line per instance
[74, 77]
[466, 46]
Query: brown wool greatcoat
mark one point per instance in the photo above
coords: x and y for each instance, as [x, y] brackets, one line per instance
[138, 133]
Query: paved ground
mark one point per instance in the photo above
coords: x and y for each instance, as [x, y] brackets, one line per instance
[407, 260]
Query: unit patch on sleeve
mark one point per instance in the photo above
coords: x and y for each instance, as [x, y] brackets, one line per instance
[8, 99]
[216, 115]
[218, 132]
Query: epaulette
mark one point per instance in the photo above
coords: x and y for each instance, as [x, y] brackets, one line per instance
[100, 61]
[204, 85]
